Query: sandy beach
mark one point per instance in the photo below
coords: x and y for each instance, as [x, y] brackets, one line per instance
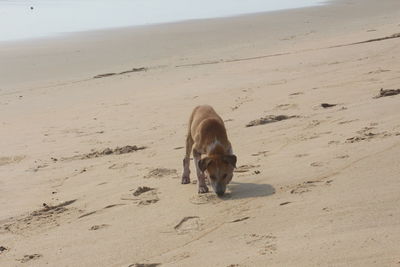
[93, 126]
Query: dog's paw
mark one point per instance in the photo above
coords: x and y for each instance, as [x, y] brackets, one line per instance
[203, 189]
[185, 180]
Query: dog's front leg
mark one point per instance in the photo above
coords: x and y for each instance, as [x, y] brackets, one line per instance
[186, 171]
[186, 160]
[200, 175]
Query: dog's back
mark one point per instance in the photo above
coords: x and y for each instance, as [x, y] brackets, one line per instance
[206, 126]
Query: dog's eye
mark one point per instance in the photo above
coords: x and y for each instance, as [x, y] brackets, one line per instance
[224, 176]
[212, 177]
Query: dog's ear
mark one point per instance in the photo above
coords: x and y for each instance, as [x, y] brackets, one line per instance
[203, 163]
[231, 159]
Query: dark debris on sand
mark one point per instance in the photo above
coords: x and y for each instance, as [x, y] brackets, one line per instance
[327, 105]
[27, 258]
[141, 190]
[269, 119]
[107, 152]
[144, 265]
[119, 73]
[387, 92]
[50, 209]
[115, 151]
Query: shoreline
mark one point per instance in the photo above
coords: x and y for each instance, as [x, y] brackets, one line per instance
[188, 37]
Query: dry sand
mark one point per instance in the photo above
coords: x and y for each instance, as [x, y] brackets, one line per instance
[317, 189]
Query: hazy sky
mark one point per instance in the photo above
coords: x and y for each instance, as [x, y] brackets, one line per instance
[18, 20]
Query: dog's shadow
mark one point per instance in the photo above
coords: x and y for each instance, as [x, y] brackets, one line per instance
[246, 190]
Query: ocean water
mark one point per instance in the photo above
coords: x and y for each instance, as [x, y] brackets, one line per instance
[24, 19]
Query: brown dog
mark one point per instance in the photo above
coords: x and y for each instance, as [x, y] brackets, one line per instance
[207, 135]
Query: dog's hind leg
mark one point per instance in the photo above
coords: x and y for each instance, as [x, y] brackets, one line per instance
[186, 160]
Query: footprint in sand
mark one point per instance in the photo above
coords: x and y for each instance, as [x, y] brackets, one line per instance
[317, 164]
[10, 160]
[313, 124]
[97, 227]
[162, 172]
[47, 217]
[208, 198]
[179, 257]
[312, 136]
[239, 101]
[148, 198]
[188, 224]
[117, 166]
[307, 186]
[266, 244]
[39, 167]
[367, 134]
[143, 196]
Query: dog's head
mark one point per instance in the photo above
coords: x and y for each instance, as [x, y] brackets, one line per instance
[220, 171]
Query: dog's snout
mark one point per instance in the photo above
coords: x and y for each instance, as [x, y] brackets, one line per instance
[220, 190]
